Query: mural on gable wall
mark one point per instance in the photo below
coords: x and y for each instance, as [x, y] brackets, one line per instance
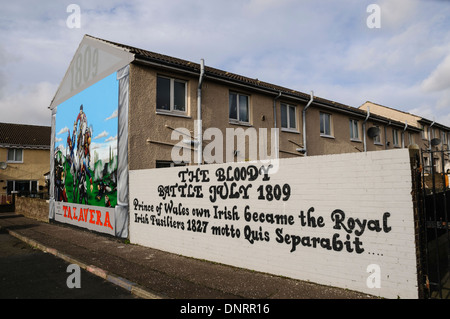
[85, 154]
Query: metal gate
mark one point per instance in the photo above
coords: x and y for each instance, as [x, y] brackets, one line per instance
[7, 203]
[436, 209]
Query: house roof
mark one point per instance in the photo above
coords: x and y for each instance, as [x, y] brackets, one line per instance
[168, 61]
[25, 136]
[403, 114]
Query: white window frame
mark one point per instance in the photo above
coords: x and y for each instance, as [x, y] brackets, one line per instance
[15, 155]
[411, 138]
[433, 133]
[30, 185]
[288, 119]
[238, 120]
[323, 117]
[395, 137]
[448, 141]
[354, 128]
[444, 138]
[377, 139]
[172, 109]
[424, 132]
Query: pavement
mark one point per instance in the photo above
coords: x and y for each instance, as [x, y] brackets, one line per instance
[153, 274]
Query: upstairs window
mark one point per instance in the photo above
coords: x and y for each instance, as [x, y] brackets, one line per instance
[325, 124]
[239, 108]
[377, 138]
[411, 138]
[444, 138]
[15, 155]
[288, 117]
[170, 95]
[424, 132]
[354, 130]
[395, 139]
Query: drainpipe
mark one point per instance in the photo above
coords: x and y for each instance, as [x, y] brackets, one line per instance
[385, 135]
[304, 149]
[429, 135]
[275, 124]
[403, 134]
[364, 129]
[199, 114]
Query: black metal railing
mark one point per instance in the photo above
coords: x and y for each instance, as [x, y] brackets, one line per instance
[436, 205]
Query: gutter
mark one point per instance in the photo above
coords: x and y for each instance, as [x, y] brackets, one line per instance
[403, 134]
[140, 59]
[429, 135]
[364, 129]
[275, 124]
[304, 150]
[199, 114]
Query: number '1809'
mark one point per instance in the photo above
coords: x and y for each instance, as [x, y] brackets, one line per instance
[274, 192]
[84, 67]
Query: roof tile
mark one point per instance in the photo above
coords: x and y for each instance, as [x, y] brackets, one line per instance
[31, 136]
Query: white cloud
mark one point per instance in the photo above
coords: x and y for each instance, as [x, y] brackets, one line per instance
[27, 104]
[113, 115]
[102, 134]
[63, 130]
[439, 79]
[111, 138]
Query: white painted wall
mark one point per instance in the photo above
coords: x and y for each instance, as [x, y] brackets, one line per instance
[364, 186]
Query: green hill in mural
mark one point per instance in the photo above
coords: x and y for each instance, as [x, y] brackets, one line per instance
[104, 180]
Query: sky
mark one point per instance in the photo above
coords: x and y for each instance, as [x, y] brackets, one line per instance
[100, 105]
[345, 51]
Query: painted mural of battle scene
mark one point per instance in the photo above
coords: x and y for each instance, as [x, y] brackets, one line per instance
[80, 175]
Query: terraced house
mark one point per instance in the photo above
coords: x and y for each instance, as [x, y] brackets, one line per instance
[24, 157]
[120, 108]
[168, 93]
[433, 136]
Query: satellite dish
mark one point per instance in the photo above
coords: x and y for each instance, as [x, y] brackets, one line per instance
[373, 131]
[435, 142]
[3, 165]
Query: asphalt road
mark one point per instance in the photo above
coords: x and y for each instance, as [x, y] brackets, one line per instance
[27, 273]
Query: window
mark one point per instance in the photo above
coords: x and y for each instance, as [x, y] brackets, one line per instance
[170, 95]
[288, 116]
[411, 138]
[15, 155]
[325, 124]
[23, 188]
[426, 164]
[448, 140]
[424, 132]
[239, 108]
[163, 164]
[433, 133]
[377, 138]
[436, 166]
[395, 137]
[354, 130]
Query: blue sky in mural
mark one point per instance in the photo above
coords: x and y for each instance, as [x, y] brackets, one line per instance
[100, 104]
